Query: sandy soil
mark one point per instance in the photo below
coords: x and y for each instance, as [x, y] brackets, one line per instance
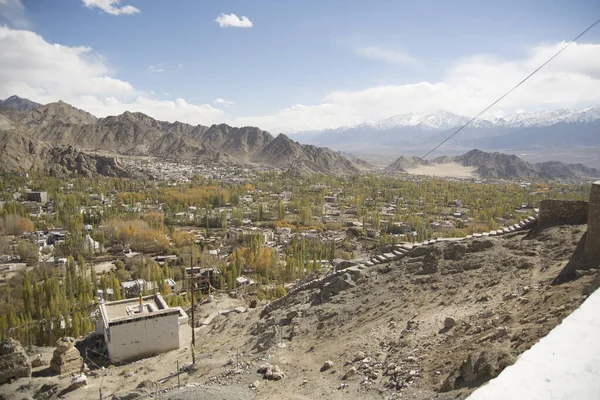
[453, 170]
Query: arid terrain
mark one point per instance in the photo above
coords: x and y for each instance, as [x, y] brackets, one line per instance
[397, 330]
[452, 170]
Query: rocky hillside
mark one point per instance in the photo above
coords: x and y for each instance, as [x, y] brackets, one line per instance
[408, 328]
[496, 165]
[60, 124]
[499, 165]
[438, 323]
[559, 170]
[17, 103]
[283, 152]
[404, 162]
[20, 152]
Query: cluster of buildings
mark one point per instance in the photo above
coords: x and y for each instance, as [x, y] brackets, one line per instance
[183, 172]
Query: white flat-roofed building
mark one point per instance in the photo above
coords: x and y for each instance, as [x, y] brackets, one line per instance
[138, 328]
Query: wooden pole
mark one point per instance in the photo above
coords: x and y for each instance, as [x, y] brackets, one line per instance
[193, 320]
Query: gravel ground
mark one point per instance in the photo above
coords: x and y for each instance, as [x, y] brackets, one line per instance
[231, 392]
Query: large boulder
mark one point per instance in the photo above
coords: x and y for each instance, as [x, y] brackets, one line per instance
[454, 251]
[336, 285]
[477, 369]
[14, 362]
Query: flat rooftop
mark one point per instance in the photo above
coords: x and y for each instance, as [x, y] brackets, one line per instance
[130, 309]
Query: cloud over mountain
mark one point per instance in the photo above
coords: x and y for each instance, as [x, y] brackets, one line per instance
[50, 72]
[45, 72]
[572, 80]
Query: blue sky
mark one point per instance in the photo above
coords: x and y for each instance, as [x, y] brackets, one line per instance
[302, 64]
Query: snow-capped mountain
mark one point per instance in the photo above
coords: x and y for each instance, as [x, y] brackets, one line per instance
[545, 128]
[437, 121]
[443, 120]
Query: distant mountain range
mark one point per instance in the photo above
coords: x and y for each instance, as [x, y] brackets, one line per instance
[553, 129]
[57, 134]
[498, 165]
[64, 140]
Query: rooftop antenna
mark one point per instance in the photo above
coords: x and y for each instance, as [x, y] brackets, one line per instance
[140, 295]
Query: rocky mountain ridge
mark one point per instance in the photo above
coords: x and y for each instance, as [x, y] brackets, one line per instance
[499, 165]
[17, 103]
[62, 125]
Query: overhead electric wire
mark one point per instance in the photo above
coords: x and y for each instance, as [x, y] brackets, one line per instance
[505, 94]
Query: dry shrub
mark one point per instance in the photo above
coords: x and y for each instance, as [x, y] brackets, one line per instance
[15, 225]
[137, 234]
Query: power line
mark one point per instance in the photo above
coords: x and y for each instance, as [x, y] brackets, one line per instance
[506, 94]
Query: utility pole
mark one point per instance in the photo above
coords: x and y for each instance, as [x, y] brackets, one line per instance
[192, 289]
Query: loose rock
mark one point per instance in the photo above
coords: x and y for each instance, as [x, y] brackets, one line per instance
[449, 322]
[326, 365]
[351, 372]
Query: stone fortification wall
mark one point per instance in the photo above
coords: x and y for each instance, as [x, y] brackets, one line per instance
[592, 241]
[558, 212]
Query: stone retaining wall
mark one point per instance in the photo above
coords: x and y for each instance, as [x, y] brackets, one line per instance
[559, 212]
[592, 242]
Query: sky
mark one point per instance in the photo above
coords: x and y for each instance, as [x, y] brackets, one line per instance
[288, 66]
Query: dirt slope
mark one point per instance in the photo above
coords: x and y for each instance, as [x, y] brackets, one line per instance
[385, 323]
[498, 291]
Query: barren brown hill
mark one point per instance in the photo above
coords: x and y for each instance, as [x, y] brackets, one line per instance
[134, 133]
[20, 152]
[404, 162]
[283, 152]
[499, 165]
[18, 103]
[404, 329]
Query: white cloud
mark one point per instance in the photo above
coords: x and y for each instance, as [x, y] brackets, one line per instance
[386, 55]
[232, 20]
[12, 12]
[111, 7]
[156, 69]
[469, 84]
[45, 72]
[225, 103]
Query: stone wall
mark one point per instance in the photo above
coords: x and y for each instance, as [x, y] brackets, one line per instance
[558, 212]
[592, 241]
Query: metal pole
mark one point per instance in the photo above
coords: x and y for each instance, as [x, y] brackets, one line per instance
[178, 381]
